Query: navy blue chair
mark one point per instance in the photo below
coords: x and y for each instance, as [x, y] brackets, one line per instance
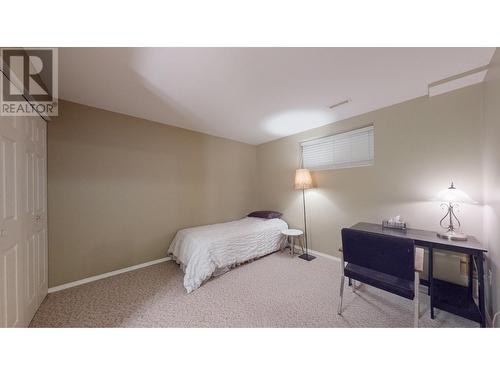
[385, 262]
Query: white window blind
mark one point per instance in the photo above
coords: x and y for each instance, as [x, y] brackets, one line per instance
[344, 150]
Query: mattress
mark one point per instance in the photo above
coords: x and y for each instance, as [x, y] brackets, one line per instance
[205, 250]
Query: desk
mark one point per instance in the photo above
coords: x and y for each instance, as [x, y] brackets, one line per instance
[443, 295]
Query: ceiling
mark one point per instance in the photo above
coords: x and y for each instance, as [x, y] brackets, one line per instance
[254, 95]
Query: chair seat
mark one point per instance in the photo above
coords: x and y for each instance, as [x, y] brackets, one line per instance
[389, 283]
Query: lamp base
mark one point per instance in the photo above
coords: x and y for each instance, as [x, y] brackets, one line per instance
[452, 235]
[307, 257]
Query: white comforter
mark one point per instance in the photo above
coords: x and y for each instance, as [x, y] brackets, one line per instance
[202, 250]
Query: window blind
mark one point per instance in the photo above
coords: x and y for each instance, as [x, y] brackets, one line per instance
[343, 150]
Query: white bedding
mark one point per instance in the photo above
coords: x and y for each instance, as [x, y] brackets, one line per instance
[202, 250]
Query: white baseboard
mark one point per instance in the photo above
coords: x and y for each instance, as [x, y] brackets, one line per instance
[107, 274]
[318, 253]
[324, 255]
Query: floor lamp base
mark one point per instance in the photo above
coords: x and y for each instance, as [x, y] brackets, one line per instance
[307, 257]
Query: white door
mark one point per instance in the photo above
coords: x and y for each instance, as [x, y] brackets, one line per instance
[35, 213]
[23, 219]
[12, 282]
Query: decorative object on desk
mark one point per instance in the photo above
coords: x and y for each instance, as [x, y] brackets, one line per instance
[450, 199]
[394, 223]
[303, 181]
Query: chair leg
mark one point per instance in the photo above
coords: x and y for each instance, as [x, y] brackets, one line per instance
[416, 301]
[342, 280]
[339, 311]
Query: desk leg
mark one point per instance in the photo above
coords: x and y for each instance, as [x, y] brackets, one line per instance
[471, 276]
[431, 279]
[480, 280]
[429, 272]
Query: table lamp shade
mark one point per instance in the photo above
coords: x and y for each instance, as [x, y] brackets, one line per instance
[454, 195]
[303, 179]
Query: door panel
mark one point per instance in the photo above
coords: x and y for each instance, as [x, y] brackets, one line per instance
[41, 215]
[39, 184]
[12, 301]
[9, 181]
[35, 216]
[11, 225]
[29, 199]
[42, 266]
[31, 265]
[23, 219]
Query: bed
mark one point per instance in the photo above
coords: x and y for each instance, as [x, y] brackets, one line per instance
[210, 250]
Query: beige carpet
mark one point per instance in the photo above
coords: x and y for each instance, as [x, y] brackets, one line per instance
[275, 291]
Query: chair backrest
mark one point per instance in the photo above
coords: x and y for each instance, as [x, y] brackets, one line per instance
[388, 254]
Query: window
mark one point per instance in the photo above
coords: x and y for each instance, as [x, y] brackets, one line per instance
[344, 150]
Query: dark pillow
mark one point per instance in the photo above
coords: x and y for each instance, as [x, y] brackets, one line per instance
[266, 214]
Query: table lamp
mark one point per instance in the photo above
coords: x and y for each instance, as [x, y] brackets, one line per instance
[450, 199]
[303, 181]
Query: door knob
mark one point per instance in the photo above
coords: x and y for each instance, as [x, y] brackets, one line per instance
[38, 217]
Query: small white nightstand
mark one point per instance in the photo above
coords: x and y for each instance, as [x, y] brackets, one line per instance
[291, 235]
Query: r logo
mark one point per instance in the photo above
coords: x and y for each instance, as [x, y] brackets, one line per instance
[30, 77]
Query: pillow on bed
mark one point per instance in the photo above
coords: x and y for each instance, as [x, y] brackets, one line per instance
[266, 214]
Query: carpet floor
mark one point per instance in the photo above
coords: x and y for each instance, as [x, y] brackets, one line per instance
[274, 291]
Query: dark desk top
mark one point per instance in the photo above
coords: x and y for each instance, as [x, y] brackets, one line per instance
[422, 237]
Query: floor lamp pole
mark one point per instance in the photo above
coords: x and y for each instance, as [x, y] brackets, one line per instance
[305, 217]
[305, 256]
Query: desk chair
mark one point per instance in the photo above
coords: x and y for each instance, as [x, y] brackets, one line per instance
[386, 262]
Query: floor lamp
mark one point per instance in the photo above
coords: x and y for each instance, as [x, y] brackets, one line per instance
[303, 181]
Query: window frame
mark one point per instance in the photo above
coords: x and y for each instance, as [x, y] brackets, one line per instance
[370, 128]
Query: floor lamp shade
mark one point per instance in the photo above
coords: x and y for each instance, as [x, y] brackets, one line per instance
[303, 179]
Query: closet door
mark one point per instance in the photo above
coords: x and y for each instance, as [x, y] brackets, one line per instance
[12, 259]
[23, 218]
[35, 213]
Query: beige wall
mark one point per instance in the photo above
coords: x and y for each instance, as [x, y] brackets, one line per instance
[420, 145]
[491, 163]
[120, 187]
